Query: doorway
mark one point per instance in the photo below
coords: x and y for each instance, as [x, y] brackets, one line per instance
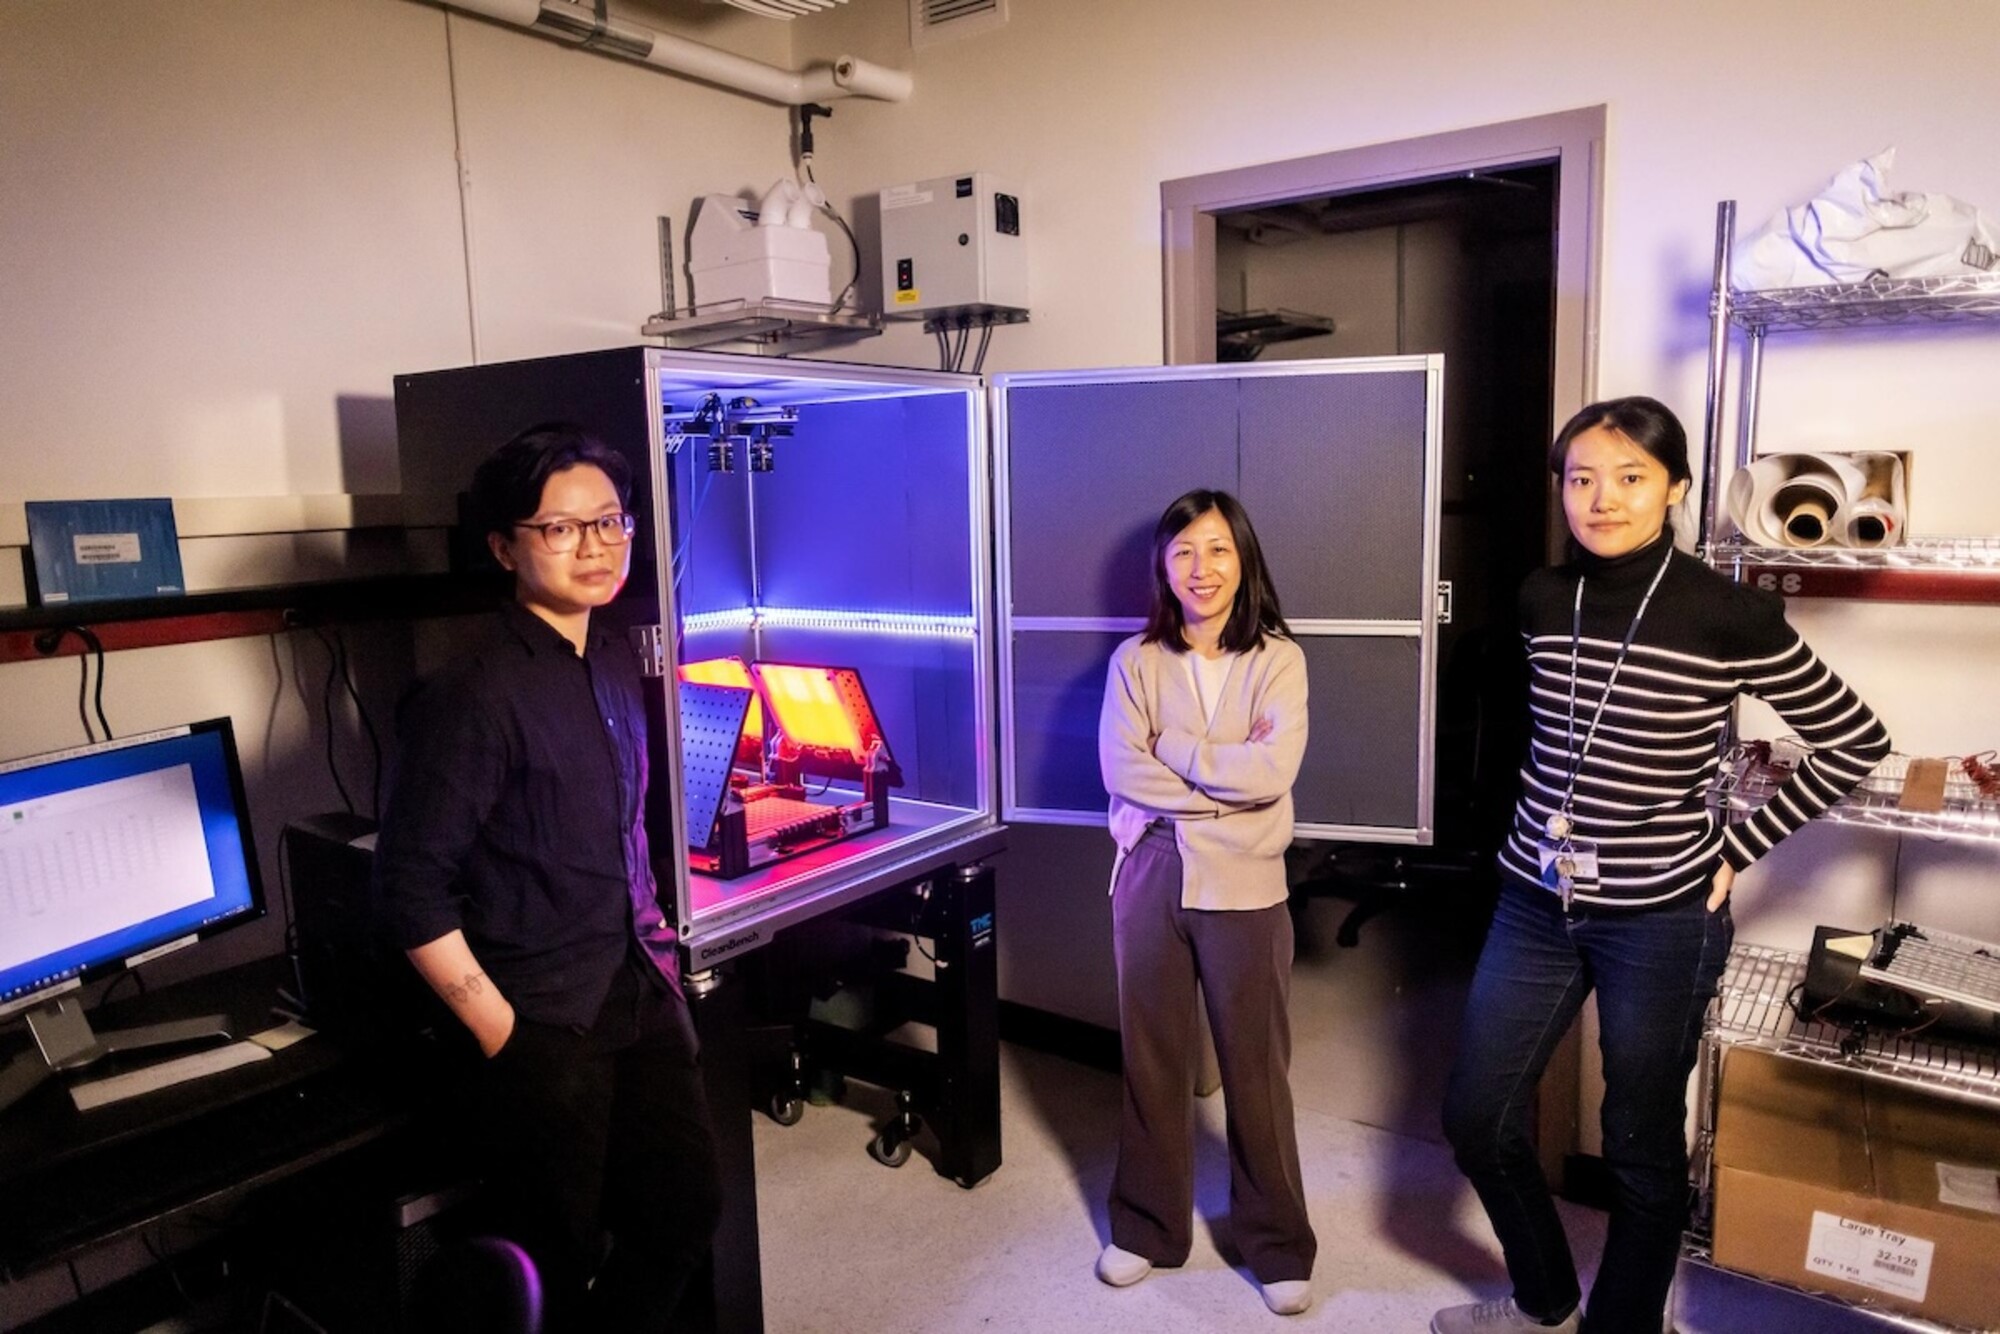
[1477, 244]
[1462, 266]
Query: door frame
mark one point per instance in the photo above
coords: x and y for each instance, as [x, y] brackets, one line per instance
[1574, 141]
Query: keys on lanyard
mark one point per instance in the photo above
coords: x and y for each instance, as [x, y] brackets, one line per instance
[1569, 864]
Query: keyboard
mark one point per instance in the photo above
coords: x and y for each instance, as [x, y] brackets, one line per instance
[94, 1093]
[131, 1180]
[1937, 965]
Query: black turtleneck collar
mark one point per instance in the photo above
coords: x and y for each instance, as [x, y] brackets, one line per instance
[1633, 569]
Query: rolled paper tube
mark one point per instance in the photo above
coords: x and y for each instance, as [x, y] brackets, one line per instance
[1876, 514]
[1804, 511]
[1763, 495]
[1806, 523]
[1874, 523]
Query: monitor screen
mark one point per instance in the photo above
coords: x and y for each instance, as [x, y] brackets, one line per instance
[119, 852]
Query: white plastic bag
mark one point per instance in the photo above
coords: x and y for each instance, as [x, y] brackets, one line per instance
[1856, 230]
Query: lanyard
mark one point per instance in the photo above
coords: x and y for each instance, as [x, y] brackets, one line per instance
[1597, 715]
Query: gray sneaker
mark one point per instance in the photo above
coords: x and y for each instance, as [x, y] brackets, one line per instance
[1497, 1317]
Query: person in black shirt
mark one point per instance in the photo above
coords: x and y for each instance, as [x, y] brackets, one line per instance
[1616, 876]
[514, 868]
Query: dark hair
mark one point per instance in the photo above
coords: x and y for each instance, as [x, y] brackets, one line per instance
[1255, 613]
[1646, 422]
[507, 487]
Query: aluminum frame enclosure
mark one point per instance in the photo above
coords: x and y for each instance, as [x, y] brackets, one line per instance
[903, 523]
[994, 539]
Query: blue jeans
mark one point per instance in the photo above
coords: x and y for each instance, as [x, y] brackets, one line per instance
[1654, 971]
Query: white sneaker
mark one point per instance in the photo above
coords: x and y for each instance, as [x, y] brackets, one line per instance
[1497, 1317]
[1289, 1296]
[1120, 1268]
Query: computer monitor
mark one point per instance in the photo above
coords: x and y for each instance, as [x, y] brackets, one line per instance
[111, 855]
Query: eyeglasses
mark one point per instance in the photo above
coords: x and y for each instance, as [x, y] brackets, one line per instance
[561, 536]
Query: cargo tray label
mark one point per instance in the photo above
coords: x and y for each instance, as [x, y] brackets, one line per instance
[1873, 1257]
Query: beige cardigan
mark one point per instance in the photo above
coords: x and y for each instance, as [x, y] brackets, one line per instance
[1230, 798]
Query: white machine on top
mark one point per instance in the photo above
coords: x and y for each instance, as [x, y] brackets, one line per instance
[738, 252]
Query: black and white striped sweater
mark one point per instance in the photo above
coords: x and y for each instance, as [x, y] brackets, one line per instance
[1641, 792]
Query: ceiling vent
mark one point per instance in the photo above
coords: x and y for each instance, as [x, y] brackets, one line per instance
[781, 9]
[933, 21]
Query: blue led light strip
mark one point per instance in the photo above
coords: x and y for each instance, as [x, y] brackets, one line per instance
[842, 622]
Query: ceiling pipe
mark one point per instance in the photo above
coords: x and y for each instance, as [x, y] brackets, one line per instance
[584, 25]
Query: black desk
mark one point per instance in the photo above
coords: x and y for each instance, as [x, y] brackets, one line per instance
[74, 1180]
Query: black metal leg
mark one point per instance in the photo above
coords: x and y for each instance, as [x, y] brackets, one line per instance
[967, 1111]
[736, 1278]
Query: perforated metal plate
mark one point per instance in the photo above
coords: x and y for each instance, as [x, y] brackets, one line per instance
[711, 721]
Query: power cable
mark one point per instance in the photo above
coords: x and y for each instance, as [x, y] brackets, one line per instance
[326, 714]
[89, 637]
[83, 696]
[130, 974]
[806, 114]
[367, 723]
[49, 641]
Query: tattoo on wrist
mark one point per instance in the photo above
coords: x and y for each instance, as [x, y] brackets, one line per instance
[457, 993]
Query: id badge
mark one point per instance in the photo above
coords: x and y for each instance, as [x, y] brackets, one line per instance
[1568, 867]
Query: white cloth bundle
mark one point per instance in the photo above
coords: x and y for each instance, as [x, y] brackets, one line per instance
[1856, 230]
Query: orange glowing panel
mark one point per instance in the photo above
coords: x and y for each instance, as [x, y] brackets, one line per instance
[727, 672]
[809, 710]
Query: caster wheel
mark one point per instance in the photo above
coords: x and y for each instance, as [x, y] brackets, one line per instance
[787, 1111]
[889, 1152]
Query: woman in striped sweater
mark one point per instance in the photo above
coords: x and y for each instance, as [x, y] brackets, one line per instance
[1616, 875]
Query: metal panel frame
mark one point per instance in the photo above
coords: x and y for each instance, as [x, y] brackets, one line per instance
[1424, 630]
[731, 929]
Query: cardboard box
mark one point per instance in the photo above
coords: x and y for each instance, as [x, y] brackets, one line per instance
[1880, 1194]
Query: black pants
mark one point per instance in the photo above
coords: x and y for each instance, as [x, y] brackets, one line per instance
[1654, 972]
[605, 1130]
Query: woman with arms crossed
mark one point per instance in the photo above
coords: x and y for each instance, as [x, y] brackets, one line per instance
[1203, 729]
[1616, 876]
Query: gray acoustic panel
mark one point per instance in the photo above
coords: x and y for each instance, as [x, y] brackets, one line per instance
[1333, 479]
[1361, 765]
[1090, 468]
[868, 509]
[1058, 695]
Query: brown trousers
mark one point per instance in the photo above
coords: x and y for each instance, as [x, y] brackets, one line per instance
[1242, 961]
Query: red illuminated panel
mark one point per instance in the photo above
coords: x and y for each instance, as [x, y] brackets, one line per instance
[727, 672]
[809, 709]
